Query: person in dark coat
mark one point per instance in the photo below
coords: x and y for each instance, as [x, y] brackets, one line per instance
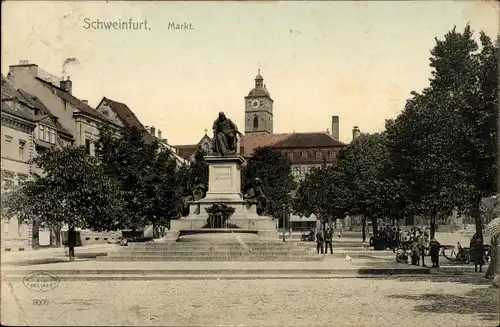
[478, 254]
[434, 247]
[328, 240]
[319, 241]
[71, 242]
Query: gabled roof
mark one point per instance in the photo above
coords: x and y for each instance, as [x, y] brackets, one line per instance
[126, 115]
[75, 102]
[186, 151]
[308, 140]
[250, 142]
[38, 104]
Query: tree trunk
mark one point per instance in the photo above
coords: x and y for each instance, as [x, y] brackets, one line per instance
[58, 236]
[434, 217]
[363, 226]
[71, 241]
[374, 226]
[476, 214]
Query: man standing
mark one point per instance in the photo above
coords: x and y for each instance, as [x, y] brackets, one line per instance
[319, 241]
[421, 245]
[329, 240]
[478, 254]
[434, 247]
[71, 241]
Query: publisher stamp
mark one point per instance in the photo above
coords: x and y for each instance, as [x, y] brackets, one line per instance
[41, 281]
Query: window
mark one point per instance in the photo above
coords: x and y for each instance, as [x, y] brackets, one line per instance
[87, 146]
[318, 154]
[41, 132]
[303, 154]
[52, 136]
[290, 155]
[22, 146]
[255, 122]
[46, 135]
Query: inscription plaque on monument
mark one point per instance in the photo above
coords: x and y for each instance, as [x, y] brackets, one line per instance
[222, 177]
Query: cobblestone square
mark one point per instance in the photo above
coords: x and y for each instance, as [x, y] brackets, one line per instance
[398, 301]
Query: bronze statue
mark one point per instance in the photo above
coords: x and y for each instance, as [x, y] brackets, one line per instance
[255, 195]
[225, 140]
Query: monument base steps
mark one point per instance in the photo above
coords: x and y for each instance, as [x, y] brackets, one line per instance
[193, 251]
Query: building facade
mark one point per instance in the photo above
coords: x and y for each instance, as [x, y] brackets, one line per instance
[39, 112]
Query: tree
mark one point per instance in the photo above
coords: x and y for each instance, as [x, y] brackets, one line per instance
[364, 162]
[199, 168]
[443, 144]
[322, 193]
[421, 146]
[162, 192]
[274, 170]
[73, 190]
[149, 178]
[129, 158]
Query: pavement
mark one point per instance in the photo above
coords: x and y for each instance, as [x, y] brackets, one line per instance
[56, 254]
[391, 301]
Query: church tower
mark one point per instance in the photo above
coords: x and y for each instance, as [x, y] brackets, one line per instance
[259, 109]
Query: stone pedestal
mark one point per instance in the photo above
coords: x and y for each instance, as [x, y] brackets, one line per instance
[224, 178]
[224, 175]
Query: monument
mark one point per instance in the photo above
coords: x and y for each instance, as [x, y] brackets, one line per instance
[223, 213]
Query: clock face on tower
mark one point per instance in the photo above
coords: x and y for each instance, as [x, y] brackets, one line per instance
[255, 104]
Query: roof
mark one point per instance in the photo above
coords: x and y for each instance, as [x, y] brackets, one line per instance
[35, 102]
[75, 102]
[250, 142]
[21, 112]
[124, 113]
[8, 90]
[259, 91]
[308, 140]
[185, 151]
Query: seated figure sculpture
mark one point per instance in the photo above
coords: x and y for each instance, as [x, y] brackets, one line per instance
[225, 140]
[254, 195]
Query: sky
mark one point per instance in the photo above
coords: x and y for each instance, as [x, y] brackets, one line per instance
[358, 60]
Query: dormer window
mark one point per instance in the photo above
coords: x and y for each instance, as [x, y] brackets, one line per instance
[47, 134]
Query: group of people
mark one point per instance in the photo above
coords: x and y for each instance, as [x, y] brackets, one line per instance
[386, 238]
[324, 240]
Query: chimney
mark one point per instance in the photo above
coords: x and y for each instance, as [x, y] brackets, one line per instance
[85, 101]
[153, 130]
[335, 127]
[66, 85]
[355, 132]
[159, 134]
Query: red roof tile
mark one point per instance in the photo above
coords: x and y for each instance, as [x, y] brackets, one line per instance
[250, 142]
[125, 114]
[308, 140]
